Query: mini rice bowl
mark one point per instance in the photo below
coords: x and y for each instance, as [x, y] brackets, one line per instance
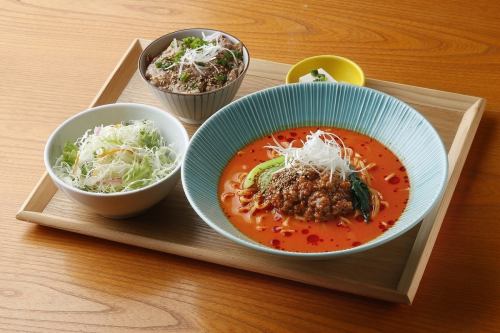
[192, 108]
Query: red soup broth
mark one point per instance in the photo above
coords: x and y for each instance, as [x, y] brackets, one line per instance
[267, 228]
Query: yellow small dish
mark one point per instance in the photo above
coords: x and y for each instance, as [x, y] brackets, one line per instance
[340, 68]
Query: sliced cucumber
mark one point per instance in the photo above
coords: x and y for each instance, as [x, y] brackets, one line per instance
[268, 167]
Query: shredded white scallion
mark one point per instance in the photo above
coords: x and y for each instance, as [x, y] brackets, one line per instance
[322, 151]
[204, 54]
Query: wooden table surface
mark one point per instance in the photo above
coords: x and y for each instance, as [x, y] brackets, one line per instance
[54, 57]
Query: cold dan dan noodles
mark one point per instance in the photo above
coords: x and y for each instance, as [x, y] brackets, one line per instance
[314, 189]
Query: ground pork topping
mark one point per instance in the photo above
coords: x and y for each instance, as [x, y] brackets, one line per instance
[304, 192]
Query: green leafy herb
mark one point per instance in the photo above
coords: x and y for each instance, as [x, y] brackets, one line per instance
[361, 196]
[70, 152]
[221, 78]
[193, 42]
[184, 77]
[222, 62]
[226, 59]
[163, 64]
[228, 56]
[177, 57]
[320, 78]
[238, 54]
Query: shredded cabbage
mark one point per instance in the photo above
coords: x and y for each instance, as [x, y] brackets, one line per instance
[116, 158]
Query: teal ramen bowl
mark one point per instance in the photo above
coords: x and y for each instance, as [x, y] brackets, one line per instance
[392, 122]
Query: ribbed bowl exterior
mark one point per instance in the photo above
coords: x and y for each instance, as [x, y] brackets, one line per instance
[392, 122]
[195, 109]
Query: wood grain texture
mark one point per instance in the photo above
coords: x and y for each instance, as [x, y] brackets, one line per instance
[391, 272]
[55, 56]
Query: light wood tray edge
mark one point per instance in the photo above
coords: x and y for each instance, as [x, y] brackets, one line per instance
[429, 230]
[40, 196]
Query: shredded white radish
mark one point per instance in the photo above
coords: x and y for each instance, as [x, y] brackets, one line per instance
[322, 151]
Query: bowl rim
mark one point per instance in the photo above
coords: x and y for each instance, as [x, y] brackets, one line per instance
[316, 255]
[149, 108]
[142, 57]
[331, 56]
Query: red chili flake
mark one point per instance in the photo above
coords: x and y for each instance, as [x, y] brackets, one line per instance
[293, 133]
[395, 190]
[288, 233]
[269, 137]
[305, 231]
[360, 218]
[290, 140]
[281, 137]
[382, 207]
[313, 239]
[362, 145]
[390, 222]
[354, 244]
[331, 239]
[402, 169]
[252, 151]
[394, 180]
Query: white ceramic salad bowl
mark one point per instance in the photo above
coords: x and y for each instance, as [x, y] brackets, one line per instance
[120, 204]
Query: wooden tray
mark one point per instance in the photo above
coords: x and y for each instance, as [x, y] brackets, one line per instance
[391, 272]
